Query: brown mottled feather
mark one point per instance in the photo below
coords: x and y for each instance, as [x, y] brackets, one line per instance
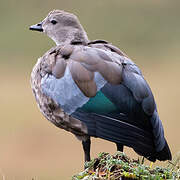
[111, 72]
[66, 50]
[50, 108]
[85, 55]
[59, 68]
[95, 59]
[103, 55]
[83, 61]
[83, 78]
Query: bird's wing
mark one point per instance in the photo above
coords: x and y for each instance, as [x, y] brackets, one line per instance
[103, 88]
[73, 81]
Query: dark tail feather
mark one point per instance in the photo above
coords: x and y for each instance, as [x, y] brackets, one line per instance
[118, 131]
[164, 154]
[162, 148]
[124, 133]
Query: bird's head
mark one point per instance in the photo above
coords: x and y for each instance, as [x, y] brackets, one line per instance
[62, 27]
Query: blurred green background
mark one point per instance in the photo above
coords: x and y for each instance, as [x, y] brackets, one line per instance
[148, 31]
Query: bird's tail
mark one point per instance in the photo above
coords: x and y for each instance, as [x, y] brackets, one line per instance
[164, 154]
[119, 131]
[162, 148]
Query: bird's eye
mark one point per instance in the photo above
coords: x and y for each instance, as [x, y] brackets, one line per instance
[53, 22]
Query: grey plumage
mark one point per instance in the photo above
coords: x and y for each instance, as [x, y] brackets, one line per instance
[57, 89]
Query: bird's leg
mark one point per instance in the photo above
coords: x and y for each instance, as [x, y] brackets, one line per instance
[119, 147]
[86, 147]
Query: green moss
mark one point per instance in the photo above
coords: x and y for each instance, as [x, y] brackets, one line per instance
[121, 167]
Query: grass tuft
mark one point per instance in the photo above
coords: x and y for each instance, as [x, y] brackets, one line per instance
[120, 167]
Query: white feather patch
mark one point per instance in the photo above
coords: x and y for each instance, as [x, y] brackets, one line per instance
[65, 92]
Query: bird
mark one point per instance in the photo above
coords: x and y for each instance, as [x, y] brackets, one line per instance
[93, 89]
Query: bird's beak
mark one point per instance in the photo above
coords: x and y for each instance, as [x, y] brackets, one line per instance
[36, 27]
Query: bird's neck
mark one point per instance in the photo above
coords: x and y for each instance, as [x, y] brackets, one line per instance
[69, 36]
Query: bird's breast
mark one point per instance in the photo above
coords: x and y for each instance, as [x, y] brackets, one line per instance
[49, 108]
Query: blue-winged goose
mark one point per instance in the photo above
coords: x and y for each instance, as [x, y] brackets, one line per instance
[92, 89]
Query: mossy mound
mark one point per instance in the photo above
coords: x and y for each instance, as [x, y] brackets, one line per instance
[121, 167]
